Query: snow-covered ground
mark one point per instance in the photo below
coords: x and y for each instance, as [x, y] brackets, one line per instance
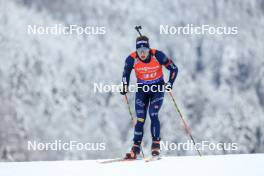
[47, 81]
[222, 165]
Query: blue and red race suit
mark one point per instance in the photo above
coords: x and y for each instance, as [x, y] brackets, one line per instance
[148, 73]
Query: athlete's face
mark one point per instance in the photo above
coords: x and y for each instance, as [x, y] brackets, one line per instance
[143, 53]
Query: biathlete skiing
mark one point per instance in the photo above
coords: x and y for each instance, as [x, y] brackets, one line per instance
[147, 64]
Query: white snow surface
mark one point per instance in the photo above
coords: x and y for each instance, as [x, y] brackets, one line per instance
[47, 81]
[214, 165]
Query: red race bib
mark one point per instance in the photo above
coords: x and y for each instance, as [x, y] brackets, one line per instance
[147, 71]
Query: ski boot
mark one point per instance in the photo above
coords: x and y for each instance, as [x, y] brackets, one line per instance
[135, 150]
[155, 147]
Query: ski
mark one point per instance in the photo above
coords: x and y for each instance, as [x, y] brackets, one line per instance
[148, 159]
[116, 160]
[152, 158]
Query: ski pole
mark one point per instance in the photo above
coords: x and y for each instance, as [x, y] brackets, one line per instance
[132, 119]
[142, 152]
[129, 109]
[186, 127]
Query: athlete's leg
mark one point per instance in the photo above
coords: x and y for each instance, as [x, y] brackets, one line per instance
[156, 101]
[141, 104]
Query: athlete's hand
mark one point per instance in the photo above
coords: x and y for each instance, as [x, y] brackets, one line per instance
[168, 86]
[124, 89]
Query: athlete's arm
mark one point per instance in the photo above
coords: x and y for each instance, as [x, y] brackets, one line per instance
[129, 64]
[168, 63]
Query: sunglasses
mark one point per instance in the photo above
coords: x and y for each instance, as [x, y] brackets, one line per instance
[143, 50]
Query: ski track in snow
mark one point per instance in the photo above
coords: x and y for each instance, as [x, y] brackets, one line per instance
[220, 165]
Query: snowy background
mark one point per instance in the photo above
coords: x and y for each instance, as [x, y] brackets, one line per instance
[46, 87]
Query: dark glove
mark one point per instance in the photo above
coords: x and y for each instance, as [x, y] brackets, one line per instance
[124, 89]
[168, 86]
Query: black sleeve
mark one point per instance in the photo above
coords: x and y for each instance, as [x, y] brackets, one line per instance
[129, 64]
[168, 63]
